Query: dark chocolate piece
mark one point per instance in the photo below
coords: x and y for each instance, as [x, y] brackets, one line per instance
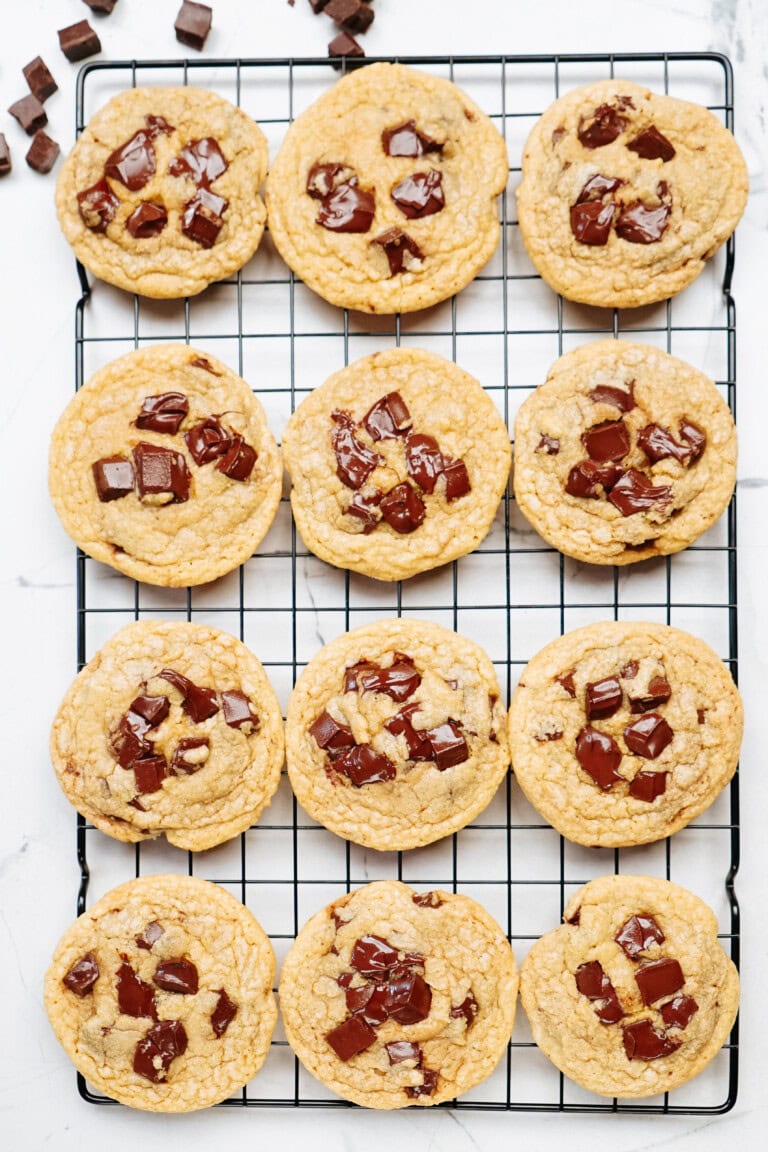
[400, 1050]
[603, 127]
[677, 1012]
[238, 460]
[652, 145]
[149, 936]
[128, 745]
[362, 764]
[371, 956]
[5, 156]
[104, 7]
[648, 736]
[620, 398]
[152, 710]
[345, 47]
[157, 126]
[427, 899]
[548, 444]
[188, 755]
[318, 5]
[427, 1087]
[591, 222]
[160, 471]
[203, 160]
[351, 1037]
[193, 23]
[354, 460]
[408, 999]
[78, 41]
[468, 1009]
[352, 15]
[544, 735]
[133, 163]
[634, 492]
[43, 153]
[41, 83]
[406, 140]
[354, 671]
[643, 1042]
[567, 684]
[587, 478]
[659, 691]
[163, 413]
[368, 1002]
[158, 1049]
[30, 114]
[207, 440]
[366, 508]
[424, 460]
[593, 983]
[113, 476]
[597, 187]
[603, 698]
[599, 755]
[403, 508]
[449, 746]
[658, 978]
[417, 741]
[629, 670]
[237, 711]
[201, 362]
[637, 934]
[701, 715]
[149, 773]
[399, 681]
[456, 479]
[348, 208]
[420, 194]
[199, 703]
[397, 246]
[97, 206]
[82, 975]
[693, 436]
[134, 997]
[648, 786]
[147, 220]
[223, 1014]
[658, 443]
[606, 441]
[640, 224]
[177, 975]
[322, 179]
[388, 418]
[201, 219]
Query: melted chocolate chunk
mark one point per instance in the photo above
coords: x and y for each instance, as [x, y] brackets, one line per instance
[373, 955]
[351, 1037]
[159, 471]
[201, 159]
[177, 975]
[164, 413]
[199, 703]
[408, 999]
[201, 362]
[639, 223]
[399, 681]
[426, 1088]
[223, 1014]
[354, 671]
[448, 745]
[548, 444]
[97, 206]
[591, 222]
[38, 77]
[207, 440]
[113, 476]
[201, 219]
[623, 399]
[134, 997]
[607, 441]
[587, 478]
[368, 1002]
[127, 745]
[400, 1050]
[406, 140]
[546, 734]
[78, 41]
[659, 691]
[597, 187]
[677, 1012]
[603, 127]
[362, 764]
[417, 741]
[658, 978]
[420, 194]
[150, 709]
[323, 179]
[637, 934]
[648, 786]
[427, 899]
[149, 771]
[397, 246]
[695, 437]
[658, 443]
[456, 479]
[388, 418]
[149, 936]
[237, 710]
[366, 508]
[468, 1009]
[403, 509]
[193, 23]
[348, 208]
[238, 460]
[82, 975]
[424, 461]
[599, 755]
[190, 754]
[634, 492]
[652, 145]
[567, 684]
[147, 220]
[158, 1049]
[593, 983]
[603, 698]
[648, 736]
[133, 163]
[643, 1042]
[630, 670]
[354, 461]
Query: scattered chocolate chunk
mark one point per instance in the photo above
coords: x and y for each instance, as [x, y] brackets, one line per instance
[322, 179]
[623, 399]
[366, 508]
[401, 251]
[629, 670]
[78, 41]
[400, 1050]
[567, 684]
[152, 710]
[591, 222]
[102, 6]
[237, 711]
[659, 691]
[677, 1012]
[634, 492]
[127, 745]
[30, 114]
[348, 208]
[133, 164]
[420, 194]
[158, 1049]
[597, 187]
[149, 772]
[190, 754]
[176, 975]
[43, 153]
[406, 140]
[603, 127]
[607, 441]
[456, 479]
[449, 746]
[134, 997]
[199, 703]
[223, 1014]
[193, 23]
[353, 672]
[603, 698]
[424, 460]
[658, 443]
[351, 15]
[238, 460]
[468, 1008]
[587, 479]
[409, 999]
[41, 82]
[203, 160]
[399, 681]
[207, 440]
[427, 899]
[345, 47]
[417, 741]
[373, 955]
[648, 736]
[640, 224]
[362, 764]
[354, 460]
[388, 418]
[97, 206]
[147, 220]
[150, 936]
[548, 444]
[201, 219]
[403, 509]
[201, 362]
[82, 975]
[160, 472]
[113, 476]
[637, 934]
[163, 413]
[648, 786]
[599, 755]
[318, 5]
[693, 436]
[351, 1037]
[643, 1042]
[593, 983]
[368, 1002]
[5, 156]
[427, 1087]
[652, 145]
[659, 978]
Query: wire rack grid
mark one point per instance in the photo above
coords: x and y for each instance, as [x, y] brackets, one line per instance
[512, 595]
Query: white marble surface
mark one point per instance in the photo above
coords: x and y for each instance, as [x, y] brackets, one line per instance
[39, 1107]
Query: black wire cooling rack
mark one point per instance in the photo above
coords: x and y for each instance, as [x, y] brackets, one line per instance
[512, 595]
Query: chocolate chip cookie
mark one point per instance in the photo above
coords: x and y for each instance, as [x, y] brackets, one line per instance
[163, 466]
[622, 733]
[624, 453]
[396, 734]
[626, 193]
[161, 994]
[395, 998]
[160, 194]
[383, 194]
[398, 464]
[171, 729]
[633, 994]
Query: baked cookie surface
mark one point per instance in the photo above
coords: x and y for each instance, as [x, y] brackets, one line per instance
[624, 453]
[633, 994]
[161, 994]
[395, 734]
[626, 193]
[395, 998]
[398, 464]
[622, 733]
[171, 729]
[163, 466]
[383, 194]
[160, 194]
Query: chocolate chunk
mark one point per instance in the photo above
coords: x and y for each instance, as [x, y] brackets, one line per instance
[193, 23]
[163, 413]
[207, 440]
[30, 114]
[658, 443]
[677, 1012]
[354, 671]
[113, 476]
[607, 441]
[603, 127]
[5, 156]
[373, 955]
[629, 670]
[147, 220]
[317, 6]
[403, 509]
[368, 1002]
[424, 460]
[448, 745]
[658, 978]
[643, 1042]
[157, 126]
[127, 745]
[695, 437]
[97, 206]
[352, 15]
[701, 715]
[41, 83]
[599, 755]
[201, 362]
[190, 754]
[648, 786]
[427, 899]
[201, 219]
[648, 736]
[133, 163]
[591, 222]
[659, 691]
[238, 460]
[587, 478]
[158, 1049]
[351, 1037]
[400, 1050]
[354, 460]
[406, 140]
[603, 698]
[366, 508]
[322, 179]
[160, 471]
[237, 710]
[199, 703]
[593, 983]
[134, 997]
[640, 224]
[150, 936]
[102, 6]
[420, 194]
[417, 741]
[634, 492]
[652, 145]
[149, 772]
[408, 999]
[597, 187]
[203, 160]
[78, 41]
[620, 398]
[388, 418]
[456, 479]
[567, 684]
[43, 153]
[427, 1087]
[82, 975]
[548, 444]
[637, 934]
[468, 1008]
[364, 765]
[151, 709]
[345, 47]
[348, 208]
[399, 681]
[223, 1014]
[397, 246]
[177, 975]
[545, 734]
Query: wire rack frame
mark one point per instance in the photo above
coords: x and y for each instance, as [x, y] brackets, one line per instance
[534, 865]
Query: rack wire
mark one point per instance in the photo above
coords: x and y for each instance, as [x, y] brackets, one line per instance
[512, 595]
